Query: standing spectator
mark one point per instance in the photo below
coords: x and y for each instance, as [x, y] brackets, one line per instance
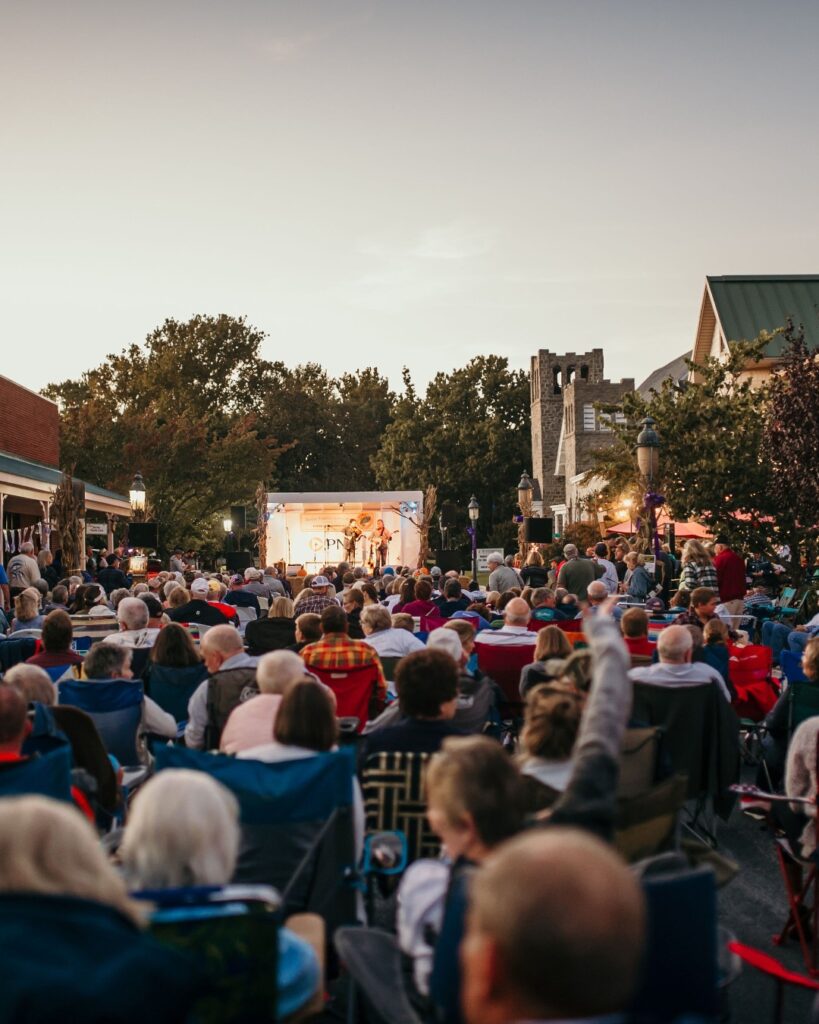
[22, 569]
[534, 574]
[638, 583]
[577, 573]
[177, 562]
[730, 577]
[609, 577]
[502, 577]
[697, 568]
[45, 563]
[112, 577]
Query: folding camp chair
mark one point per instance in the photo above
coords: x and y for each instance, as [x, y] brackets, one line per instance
[749, 671]
[778, 972]
[115, 706]
[88, 629]
[233, 932]
[89, 752]
[14, 649]
[355, 691]
[48, 774]
[297, 826]
[394, 800]
[388, 666]
[803, 702]
[28, 634]
[639, 752]
[647, 823]
[245, 615]
[791, 665]
[503, 663]
[172, 688]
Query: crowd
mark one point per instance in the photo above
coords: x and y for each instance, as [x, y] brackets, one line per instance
[521, 784]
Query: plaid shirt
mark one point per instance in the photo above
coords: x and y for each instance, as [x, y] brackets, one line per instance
[315, 603]
[337, 650]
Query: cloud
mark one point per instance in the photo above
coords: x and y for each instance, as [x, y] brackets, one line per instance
[453, 242]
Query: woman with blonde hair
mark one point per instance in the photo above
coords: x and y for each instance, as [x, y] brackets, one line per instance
[302, 596]
[534, 574]
[552, 643]
[697, 568]
[27, 611]
[72, 939]
[275, 632]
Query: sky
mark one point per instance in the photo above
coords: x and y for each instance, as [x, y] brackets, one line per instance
[397, 182]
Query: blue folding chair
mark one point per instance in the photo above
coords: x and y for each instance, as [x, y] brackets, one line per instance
[172, 688]
[791, 664]
[297, 826]
[14, 650]
[47, 774]
[115, 705]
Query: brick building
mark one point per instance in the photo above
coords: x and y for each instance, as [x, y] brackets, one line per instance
[566, 428]
[30, 471]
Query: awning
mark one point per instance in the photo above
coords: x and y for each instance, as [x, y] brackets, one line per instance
[683, 531]
[34, 481]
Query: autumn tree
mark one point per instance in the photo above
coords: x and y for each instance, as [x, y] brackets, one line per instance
[790, 447]
[183, 408]
[712, 467]
[468, 434]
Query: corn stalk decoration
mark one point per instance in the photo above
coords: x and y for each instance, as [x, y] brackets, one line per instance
[526, 513]
[66, 514]
[427, 518]
[261, 523]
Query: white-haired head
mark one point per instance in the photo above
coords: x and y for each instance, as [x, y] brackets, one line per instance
[183, 830]
[277, 671]
[674, 645]
[132, 613]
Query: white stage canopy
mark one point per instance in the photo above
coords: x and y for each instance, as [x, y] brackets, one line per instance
[306, 528]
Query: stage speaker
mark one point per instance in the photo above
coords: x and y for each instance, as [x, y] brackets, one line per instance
[537, 531]
[449, 560]
[238, 516]
[142, 535]
[449, 516]
[238, 561]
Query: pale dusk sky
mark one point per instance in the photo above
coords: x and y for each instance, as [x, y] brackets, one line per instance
[402, 182]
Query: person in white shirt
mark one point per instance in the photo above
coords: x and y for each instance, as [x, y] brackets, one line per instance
[133, 615]
[387, 642]
[609, 577]
[675, 667]
[515, 631]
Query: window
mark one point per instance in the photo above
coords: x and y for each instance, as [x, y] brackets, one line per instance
[604, 422]
[588, 416]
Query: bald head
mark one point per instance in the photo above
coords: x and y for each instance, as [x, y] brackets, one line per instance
[674, 645]
[517, 612]
[555, 897]
[596, 592]
[224, 640]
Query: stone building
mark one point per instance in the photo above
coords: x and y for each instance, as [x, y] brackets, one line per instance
[566, 429]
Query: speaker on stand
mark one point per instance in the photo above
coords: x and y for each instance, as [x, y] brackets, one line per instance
[538, 531]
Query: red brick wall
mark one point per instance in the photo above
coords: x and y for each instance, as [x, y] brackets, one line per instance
[29, 424]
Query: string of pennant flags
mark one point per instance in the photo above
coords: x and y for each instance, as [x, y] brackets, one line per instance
[13, 540]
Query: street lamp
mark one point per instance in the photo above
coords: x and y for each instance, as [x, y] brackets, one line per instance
[137, 494]
[525, 489]
[648, 450]
[228, 525]
[474, 510]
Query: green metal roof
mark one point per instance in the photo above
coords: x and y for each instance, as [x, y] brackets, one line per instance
[46, 474]
[747, 305]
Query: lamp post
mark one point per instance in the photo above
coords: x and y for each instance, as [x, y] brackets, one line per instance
[227, 525]
[648, 462]
[474, 510]
[525, 490]
[137, 497]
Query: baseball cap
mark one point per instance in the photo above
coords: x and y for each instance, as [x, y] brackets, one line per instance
[199, 586]
[435, 570]
[446, 640]
[252, 573]
[237, 578]
[320, 581]
[214, 586]
[388, 571]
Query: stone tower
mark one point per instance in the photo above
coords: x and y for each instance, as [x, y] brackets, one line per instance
[550, 374]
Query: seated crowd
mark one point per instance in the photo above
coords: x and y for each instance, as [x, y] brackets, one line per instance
[424, 664]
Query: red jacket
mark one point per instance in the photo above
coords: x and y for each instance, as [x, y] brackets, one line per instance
[640, 645]
[730, 575]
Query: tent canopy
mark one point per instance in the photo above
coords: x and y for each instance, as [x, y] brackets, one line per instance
[683, 531]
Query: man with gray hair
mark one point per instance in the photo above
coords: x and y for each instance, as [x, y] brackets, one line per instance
[133, 615]
[501, 577]
[231, 681]
[576, 573]
[376, 624]
[22, 570]
[675, 668]
[515, 631]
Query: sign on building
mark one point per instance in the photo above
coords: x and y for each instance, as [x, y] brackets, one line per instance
[96, 529]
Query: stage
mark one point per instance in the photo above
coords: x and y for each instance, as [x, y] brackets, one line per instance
[307, 528]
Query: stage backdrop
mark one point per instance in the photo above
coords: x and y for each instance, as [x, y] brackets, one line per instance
[307, 528]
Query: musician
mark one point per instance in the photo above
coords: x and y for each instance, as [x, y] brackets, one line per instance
[351, 534]
[382, 537]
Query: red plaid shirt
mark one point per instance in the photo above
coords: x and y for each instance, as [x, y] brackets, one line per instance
[337, 650]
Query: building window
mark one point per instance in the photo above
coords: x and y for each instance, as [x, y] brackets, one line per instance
[556, 374]
[588, 416]
[584, 372]
[604, 422]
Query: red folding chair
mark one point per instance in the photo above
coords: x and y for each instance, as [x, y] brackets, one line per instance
[503, 663]
[749, 670]
[355, 690]
[774, 969]
[567, 625]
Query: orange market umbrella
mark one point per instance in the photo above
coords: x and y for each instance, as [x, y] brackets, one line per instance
[681, 530]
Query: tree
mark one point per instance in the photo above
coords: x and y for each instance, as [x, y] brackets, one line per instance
[790, 445]
[711, 463]
[183, 410]
[468, 435]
